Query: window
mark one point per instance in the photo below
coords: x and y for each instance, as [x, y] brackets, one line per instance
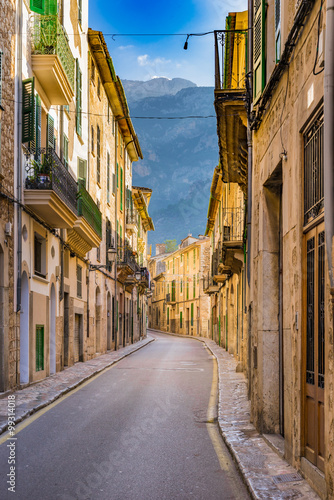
[117, 174]
[98, 253]
[278, 30]
[98, 158]
[109, 243]
[167, 315]
[194, 286]
[181, 286]
[80, 11]
[98, 87]
[194, 255]
[108, 113]
[43, 7]
[39, 255]
[92, 139]
[108, 177]
[39, 348]
[78, 109]
[187, 290]
[79, 282]
[259, 48]
[92, 71]
[192, 314]
[65, 151]
[50, 132]
[181, 319]
[314, 169]
[113, 125]
[35, 143]
[173, 291]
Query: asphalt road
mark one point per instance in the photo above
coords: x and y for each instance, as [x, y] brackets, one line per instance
[142, 430]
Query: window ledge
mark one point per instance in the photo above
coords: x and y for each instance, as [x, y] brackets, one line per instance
[39, 278]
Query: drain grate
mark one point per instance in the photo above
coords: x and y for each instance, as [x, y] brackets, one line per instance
[287, 478]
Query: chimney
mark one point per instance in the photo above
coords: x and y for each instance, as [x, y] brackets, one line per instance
[160, 248]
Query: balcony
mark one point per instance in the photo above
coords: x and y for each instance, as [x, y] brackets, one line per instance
[52, 60]
[87, 230]
[170, 298]
[126, 265]
[233, 227]
[210, 286]
[230, 100]
[131, 221]
[50, 190]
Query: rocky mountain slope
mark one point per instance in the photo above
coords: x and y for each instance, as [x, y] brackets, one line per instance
[179, 155]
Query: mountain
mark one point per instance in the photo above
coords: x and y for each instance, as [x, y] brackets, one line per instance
[136, 90]
[179, 155]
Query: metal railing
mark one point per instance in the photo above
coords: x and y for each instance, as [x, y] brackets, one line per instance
[208, 282]
[167, 297]
[49, 37]
[88, 209]
[131, 217]
[230, 60]
[45, 170]
[233, 224]
[125, 257]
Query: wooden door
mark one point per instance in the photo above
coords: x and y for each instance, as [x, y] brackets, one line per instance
[314, 338]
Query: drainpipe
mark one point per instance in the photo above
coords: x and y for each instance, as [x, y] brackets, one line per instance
[115, 311]
[249, 142]
[18, 152]
[328, 135]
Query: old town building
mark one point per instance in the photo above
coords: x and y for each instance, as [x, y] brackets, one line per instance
[179, 303]
[74, 285]
[9, 320]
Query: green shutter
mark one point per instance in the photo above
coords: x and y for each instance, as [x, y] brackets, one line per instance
[121, 189]
[117, 173]
[259, 49]
[78, 97]
[38, 121]
[50, 132]
[37, 6]
[51, 7]
[82, 170]
[108, 177]
[28, 119]
[39, 348]
[192, 314]
[181, 319]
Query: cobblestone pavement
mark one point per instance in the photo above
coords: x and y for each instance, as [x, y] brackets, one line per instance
[41, 394]
[259, 465]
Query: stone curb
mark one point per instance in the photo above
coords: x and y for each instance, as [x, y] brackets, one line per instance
[62, 392]
[255, 459]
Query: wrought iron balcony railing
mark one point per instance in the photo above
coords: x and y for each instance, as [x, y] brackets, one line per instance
[167, 297]
[88, 209]
[209, 282]
[45, 170]
[230, 60]
[49, 38]
[233, 224]
[131, 217]
[126, 257]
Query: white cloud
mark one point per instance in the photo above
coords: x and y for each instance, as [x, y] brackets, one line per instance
[145, 60]
[125, 47]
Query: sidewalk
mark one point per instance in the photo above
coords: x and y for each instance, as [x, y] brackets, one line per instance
[267, 475]
[41, 394]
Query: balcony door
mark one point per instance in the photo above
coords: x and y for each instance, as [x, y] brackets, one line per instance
[314, 342]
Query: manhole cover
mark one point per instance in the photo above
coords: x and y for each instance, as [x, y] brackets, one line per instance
[287, 478]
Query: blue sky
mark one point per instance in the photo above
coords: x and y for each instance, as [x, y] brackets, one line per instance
[143, 58]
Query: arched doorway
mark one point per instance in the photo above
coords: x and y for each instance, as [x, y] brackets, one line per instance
[98, 319]
[52, 330]
[24, 330]
[109, 321]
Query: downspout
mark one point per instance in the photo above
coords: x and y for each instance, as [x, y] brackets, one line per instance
[249, 139]
[328, 136]
[18, 152]
[115, 311]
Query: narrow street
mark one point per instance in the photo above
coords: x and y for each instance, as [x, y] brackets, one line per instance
[143, 429]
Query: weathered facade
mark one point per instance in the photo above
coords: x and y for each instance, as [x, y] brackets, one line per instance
[64, 250]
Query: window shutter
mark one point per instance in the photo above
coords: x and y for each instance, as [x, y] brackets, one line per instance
[278, 30]
[38, 121]
[28, 110]
[50, 132]
[65, 153]
[108, 177]
[51, 7]
[259, 48]
[39, 348]
[80, 11]
[82, 170]
[37, 6]
[121, 189]
[98, 154]
[78, 98]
